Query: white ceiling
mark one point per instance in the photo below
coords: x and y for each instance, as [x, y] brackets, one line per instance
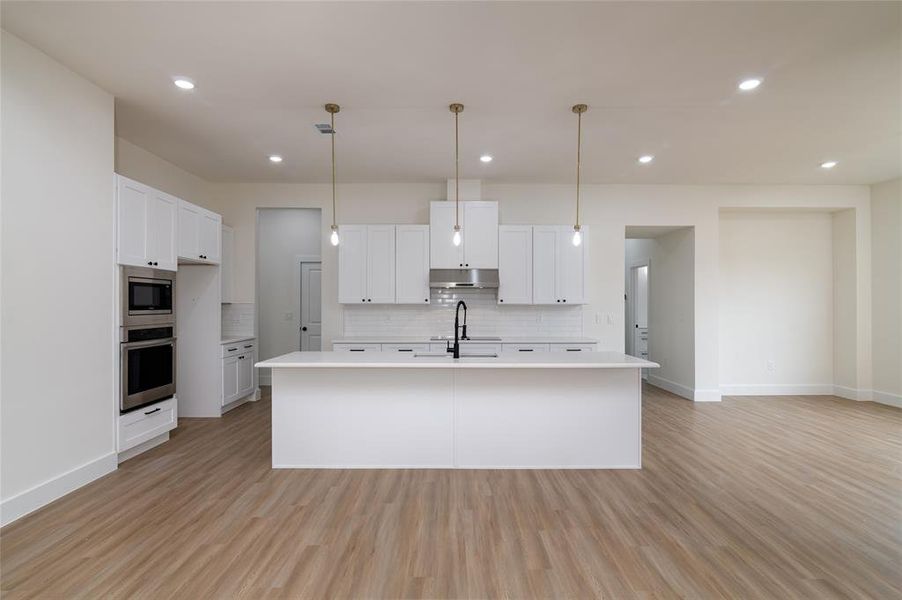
[659, 78]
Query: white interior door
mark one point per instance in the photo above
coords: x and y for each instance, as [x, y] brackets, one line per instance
[639, 312]
[311, 306]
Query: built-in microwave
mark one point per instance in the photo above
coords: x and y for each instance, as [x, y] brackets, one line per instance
[148, 296]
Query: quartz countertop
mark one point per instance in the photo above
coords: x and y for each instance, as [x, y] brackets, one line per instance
[504, 360]
[234, 339]
[532, 339]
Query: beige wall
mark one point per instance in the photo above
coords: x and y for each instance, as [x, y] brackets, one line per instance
[57, 396]
[607, 210]
[139, 164]
[886, 212]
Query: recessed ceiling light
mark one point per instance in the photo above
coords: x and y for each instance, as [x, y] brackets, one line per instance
[646, 159]
[183, 83]
[275, 158]
[828, 164]
[749, 84]
[486, 158]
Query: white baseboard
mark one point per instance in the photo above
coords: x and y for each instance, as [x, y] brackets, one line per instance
[707, 396]
[887, 398]
[851, 393]
[767, 389]
[30, 500]
[143, 447]
[671, 386]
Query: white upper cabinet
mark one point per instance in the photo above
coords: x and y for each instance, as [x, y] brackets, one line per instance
[479, 230]
[515, 264]
[199, 234]
[146, 225]
[352, 264]
[366, 264]
[380, 257]
[443, 254]
[412, 264]
[480, 235]
[558, 265]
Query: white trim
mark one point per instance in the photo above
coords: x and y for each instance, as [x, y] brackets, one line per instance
[707, 396]
[851, 393]
[789, 389]
[887, 398]
[30, 500]
[671, 386]
[471, 467]
[143, 447]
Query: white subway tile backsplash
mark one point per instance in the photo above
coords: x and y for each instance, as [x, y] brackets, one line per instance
[485, 317]
[238, 319]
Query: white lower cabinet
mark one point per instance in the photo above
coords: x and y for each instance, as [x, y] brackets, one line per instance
[146, 423]
[357, 347]
[524, 347]
[238, 379]
[410, 348]
[572, 347]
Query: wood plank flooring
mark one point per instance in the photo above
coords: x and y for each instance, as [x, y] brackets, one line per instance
[783, 497]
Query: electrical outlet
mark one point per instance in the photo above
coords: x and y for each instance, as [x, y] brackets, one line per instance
[771, 366]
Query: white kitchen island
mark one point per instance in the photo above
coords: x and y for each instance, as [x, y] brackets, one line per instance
[515, 411]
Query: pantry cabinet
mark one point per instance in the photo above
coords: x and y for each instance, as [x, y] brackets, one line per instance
[366, 264]
[515, 264]
[199, 234]
[558, 266]
[146, 220]
[479, 234]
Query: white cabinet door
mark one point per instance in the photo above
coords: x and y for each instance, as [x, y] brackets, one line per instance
[571, 266]
[544, 262]
[162, 214]
[515, 264]
[352, 265]
[480, 235]
[245, 374]
[412, 264]
[380, 267]
[229, 379]
[209, 241]
[189, 231]
[443, 254]
[226, 261]
[132, 206]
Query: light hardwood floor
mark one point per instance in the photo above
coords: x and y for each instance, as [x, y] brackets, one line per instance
[788, 497]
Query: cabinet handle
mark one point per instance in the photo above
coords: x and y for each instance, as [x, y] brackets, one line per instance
[369, 300]
[425, 299]
[558, 300]
[251, 346]
[405, 349]
[467, 265]
[574, 349]
[150, 412]
[526, 349]
[357, 349]
[241, 357]
[150, 263]
[565, 299]
[461, 264]
[363, 299]
[500, 299]
[231, 349]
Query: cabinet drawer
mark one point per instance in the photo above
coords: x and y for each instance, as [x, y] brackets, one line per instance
[524, 347]
[237, 348]
[409, 348]
[145, 423]
[572, 347]
[357, 347]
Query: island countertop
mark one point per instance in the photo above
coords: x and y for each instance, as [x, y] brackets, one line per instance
[504, 360]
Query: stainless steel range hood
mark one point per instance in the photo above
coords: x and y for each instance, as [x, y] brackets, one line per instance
[478, 279]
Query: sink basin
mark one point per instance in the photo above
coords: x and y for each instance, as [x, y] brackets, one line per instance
[448, 355]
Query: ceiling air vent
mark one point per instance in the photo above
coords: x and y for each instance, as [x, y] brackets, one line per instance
[323, 128]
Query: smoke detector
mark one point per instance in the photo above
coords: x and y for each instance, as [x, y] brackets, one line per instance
[324, 128]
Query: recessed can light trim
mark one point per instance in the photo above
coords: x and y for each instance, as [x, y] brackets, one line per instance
[275, 158]
[829, 164]
[486, 158]
[646, 158]
[183, 83]
[747, 85]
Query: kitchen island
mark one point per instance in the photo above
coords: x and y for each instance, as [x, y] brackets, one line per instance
[510, 411]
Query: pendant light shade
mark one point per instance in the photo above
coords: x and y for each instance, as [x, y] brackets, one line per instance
[579, 109]
[332, 109]
[456, 108]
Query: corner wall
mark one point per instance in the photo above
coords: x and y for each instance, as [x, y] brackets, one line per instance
[57, 412]
[886, 232]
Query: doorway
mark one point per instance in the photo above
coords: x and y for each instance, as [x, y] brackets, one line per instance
[311, 328]
[637, 312]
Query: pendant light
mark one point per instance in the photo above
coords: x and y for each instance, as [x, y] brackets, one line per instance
[579, 109]
[456, 108]
[332, 109]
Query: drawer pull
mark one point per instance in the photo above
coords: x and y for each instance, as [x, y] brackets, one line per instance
[405, 349]
[574, 349]
[250, 346]
[357, 349]
[526, 349]
[232, 349]
[150, 412]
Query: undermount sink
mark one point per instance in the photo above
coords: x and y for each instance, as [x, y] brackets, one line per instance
[448, 355]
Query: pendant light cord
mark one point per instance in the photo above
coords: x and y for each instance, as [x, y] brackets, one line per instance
[334, 216]
[579, 136]
[456, 174]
